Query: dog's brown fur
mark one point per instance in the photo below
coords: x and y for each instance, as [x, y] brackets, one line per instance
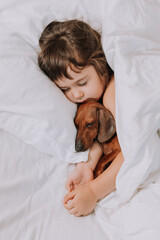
[94, 122]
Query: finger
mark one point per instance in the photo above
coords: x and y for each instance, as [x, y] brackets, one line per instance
[69, 184]
[69, 196]
[73, 211]
[69, 205]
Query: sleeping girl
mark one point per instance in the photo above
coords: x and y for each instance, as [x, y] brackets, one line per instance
[72, 57]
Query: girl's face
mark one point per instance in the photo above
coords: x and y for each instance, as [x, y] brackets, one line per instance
[86, 85]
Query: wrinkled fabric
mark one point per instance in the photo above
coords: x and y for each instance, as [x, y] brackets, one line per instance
[34, 168]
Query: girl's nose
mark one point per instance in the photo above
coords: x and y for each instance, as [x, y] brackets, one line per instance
[77, 94]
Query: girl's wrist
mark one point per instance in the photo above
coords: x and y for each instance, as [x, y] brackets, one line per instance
[85, 164]
[89, 165]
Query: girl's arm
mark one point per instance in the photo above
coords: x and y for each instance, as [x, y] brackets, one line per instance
[109, 97]
[94, 155]
[105, 182]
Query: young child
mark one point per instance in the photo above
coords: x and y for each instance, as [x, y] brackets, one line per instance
[72, 57]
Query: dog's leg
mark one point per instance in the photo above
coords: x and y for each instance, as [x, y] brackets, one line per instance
[104, 163]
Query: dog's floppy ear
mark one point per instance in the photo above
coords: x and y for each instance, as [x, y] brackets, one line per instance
[107, 126]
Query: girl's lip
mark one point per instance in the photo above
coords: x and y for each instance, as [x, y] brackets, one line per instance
[85, 100]
[88, 99]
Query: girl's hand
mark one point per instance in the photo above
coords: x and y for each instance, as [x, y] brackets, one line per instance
[83, 173]
[80, 201]
[80, 175]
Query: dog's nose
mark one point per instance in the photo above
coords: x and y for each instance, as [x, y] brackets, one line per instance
[79, 146]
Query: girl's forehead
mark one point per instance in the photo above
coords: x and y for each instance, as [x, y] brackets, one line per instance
[77, 75]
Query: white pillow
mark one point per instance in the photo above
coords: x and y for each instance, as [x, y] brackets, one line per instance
[32, 108]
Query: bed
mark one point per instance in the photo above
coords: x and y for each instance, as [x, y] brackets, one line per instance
[37, 132]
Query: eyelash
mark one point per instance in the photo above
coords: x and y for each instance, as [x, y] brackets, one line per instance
[82, 84]
[64, 90]
[79, 84]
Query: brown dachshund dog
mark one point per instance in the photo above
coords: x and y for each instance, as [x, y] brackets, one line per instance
[94, 122]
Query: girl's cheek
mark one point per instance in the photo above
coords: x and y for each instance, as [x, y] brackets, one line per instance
[69, 96]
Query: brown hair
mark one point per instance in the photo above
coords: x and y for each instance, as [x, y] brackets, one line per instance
[71, 43]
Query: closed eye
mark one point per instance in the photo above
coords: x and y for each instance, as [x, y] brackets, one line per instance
[82, 84]
[90, 124]
[64, 89]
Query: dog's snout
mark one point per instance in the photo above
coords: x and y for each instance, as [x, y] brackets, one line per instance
[79, 146]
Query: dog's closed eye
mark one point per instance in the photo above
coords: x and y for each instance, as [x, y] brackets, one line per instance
[90, 124]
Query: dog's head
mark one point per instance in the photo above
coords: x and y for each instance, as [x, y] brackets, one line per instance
[93, 121]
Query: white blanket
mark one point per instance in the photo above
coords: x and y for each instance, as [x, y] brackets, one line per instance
[131, 41]
[30, 181]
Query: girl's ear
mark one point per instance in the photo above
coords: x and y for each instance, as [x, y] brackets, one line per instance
[107, 126]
